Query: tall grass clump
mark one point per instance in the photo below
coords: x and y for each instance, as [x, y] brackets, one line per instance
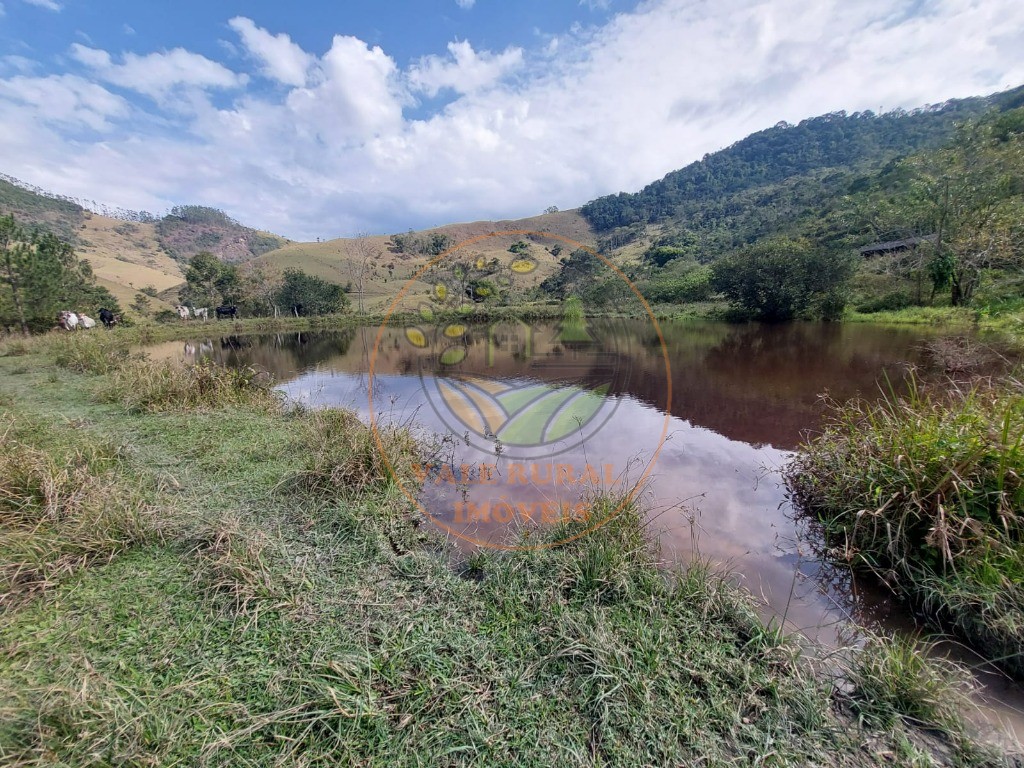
[926, 491]
[897, 677]
[98, 353]
[896, 681]
[240, 564]
[344, 456]
[145, 386]
[61, 511]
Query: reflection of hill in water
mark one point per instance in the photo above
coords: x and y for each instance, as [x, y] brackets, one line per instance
[751, 383]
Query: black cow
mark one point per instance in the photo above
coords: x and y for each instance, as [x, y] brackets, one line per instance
[108, 318]
[227, 311]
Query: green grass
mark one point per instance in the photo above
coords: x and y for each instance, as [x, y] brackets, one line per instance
[926, 491]
[259, 623]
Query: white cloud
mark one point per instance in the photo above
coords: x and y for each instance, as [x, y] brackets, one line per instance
[128, 29]
[50, 5]
[65, 99]
[282, 59]
[610, 108]
[155, 73]
[467, 71]
[20, 64]
[465, 4]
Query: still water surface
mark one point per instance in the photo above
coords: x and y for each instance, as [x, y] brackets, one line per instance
[705, 413]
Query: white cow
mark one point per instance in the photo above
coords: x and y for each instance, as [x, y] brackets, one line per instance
[182, 311]
[86, 322]
[67, 320]
[203, 312]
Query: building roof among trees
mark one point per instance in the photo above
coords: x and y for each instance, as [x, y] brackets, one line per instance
[896, 245]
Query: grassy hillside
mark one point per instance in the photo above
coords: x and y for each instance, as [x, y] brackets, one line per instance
[137, 251]
[387, 270]
[189, 229]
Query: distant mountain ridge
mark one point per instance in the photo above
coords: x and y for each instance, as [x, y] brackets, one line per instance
[183, 232]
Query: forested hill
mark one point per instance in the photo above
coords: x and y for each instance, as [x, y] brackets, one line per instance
[836, 141]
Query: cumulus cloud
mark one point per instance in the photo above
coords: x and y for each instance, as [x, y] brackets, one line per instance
[155, 73]
[345, 146]
[466, 71]
[281, 59]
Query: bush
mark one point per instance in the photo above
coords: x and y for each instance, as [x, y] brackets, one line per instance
[694, 286]
[343, 455]
[780, 279]
[888, 302]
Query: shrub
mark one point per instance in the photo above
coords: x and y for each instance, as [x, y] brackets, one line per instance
[886, 303]
[779, 279]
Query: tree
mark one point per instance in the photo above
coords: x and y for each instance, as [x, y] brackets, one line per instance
[258, 287]
[40, 275]
[310, 295]
[17, 266]
[362, 265]
[780, 279]
[211, 282]
[970, 195]
[141, 304]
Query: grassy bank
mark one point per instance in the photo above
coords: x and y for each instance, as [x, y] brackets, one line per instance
[926, 491]
[262, 595]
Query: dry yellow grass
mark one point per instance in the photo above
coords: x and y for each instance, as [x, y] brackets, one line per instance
[340, 260]
[126, 256]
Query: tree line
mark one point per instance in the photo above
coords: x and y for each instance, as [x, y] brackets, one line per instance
[258, 291]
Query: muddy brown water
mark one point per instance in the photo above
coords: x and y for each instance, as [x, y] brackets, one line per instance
[539, 416]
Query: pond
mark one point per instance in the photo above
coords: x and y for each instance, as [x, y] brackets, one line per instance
[540, 416]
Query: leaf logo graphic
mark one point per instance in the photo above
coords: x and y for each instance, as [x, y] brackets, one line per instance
[520, 414]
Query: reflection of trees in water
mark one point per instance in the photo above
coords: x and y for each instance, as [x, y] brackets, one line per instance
[284, 354]
[753, 383]
[761, 384]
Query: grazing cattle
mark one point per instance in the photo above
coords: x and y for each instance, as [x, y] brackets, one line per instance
[108, 318]
[67, 320]
[182, 311]
[86, 322]
[203, 312]
[227, 311]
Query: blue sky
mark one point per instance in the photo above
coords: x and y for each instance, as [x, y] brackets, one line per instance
[333, 118]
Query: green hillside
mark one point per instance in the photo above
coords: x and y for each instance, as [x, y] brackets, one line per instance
[769, 180]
